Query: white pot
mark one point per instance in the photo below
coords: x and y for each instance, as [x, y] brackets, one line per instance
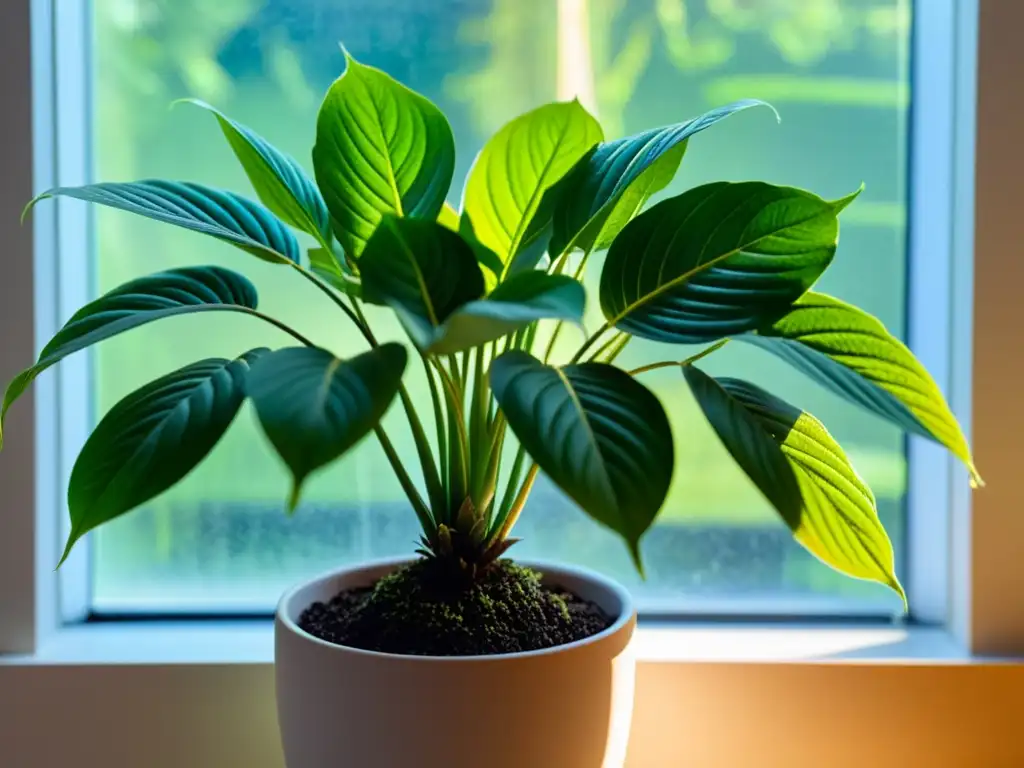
[563, 707]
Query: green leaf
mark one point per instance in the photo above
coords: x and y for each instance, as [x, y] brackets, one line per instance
[422, 270]
[324, 265]
[448, 218]
[599, 434]
[717, 260]
[520, 300]
[380, 149]
[213, 212]
[140, 301]
[852, 354]
[152, 439]
[802, 471]
[280, 182]
[595, 186]
[314, 406]
[517, 167]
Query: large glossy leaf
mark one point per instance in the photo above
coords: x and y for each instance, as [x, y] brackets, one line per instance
[599, 434]
[280, 182]
[314, 406]
[140, 301]
[717, 260]
[803, 472]
[152, 439]
[517, 167]
[380, 149]
[213, 212]
[594, 188]
[422, 270]
[520, 300]
[851, 353]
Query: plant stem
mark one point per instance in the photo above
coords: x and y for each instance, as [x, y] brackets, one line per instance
[518, 504]
[458, 442]
[615, 339]
[589, 343]
[439, 424]
[426, 457]
[422, 513]
[626, 338]
[267, 318]
[506, 500]
[673, 363]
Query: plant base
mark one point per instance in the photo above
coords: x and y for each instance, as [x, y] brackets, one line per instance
[429, 609]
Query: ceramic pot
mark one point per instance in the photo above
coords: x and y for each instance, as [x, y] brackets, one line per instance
[563, 707]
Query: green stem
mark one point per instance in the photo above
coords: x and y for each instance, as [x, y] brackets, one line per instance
[356, 316]
[518, 504]
[478, 420]
[267, 318]
[615, 339]
[589, 343]
[506, 500]
[439, 424]
[422, 513]
[458, 442]
[626, 338]
[674, 363]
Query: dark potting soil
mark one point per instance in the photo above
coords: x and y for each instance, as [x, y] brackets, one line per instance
[422, 609]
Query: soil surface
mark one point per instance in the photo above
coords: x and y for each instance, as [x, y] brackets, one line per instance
[424, 609]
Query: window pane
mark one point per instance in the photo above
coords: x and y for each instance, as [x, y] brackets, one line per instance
[835, 69]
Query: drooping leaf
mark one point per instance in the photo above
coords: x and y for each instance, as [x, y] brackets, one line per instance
[717, 260]
[152, 439]
[803, 472]
[213, 212]
[852, 354]
[280, 182]
[517, 302]
[327, 267]
[314, 406]
[596, 185]
[380, 149]
[599, 434]
[140, 301]
[422, 270]
[517, 167]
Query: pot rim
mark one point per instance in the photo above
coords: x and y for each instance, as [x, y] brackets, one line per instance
[627, 615]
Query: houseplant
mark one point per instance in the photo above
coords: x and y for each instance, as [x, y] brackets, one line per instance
[720, 263]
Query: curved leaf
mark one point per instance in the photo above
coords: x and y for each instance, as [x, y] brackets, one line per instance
[852, 354]
[314, 406]
[422, 270]
[803, 472]
[140, 301]
[594, 188]
[599, 434]
[380, 149]
[280, 182]
[520, 300]
[448, 218]
[213, 212]
[717, 260]
[517, 167]
[152, 439]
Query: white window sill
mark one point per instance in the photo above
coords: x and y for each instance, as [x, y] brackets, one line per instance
[251, 642]
[202, 695]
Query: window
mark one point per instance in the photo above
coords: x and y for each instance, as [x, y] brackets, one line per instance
[836, 71]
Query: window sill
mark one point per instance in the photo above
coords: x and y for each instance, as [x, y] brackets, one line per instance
[251, 642]
[202, 695]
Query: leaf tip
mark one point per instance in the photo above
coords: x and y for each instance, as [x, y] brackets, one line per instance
[840, 205]
[32, 203]
[638, 563]
[72, 539]
[349, 58]
[294, 497]
[896, 587]
[976, 480]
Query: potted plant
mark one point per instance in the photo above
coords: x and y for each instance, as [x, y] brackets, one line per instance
[459, 656]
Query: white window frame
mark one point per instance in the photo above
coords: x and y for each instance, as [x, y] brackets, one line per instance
[202, 694]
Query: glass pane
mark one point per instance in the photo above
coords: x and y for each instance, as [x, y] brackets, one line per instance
[835, 69]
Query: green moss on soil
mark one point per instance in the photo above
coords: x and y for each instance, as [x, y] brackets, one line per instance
[426, 608]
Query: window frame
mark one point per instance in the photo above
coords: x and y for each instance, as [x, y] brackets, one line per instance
[215, 708]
